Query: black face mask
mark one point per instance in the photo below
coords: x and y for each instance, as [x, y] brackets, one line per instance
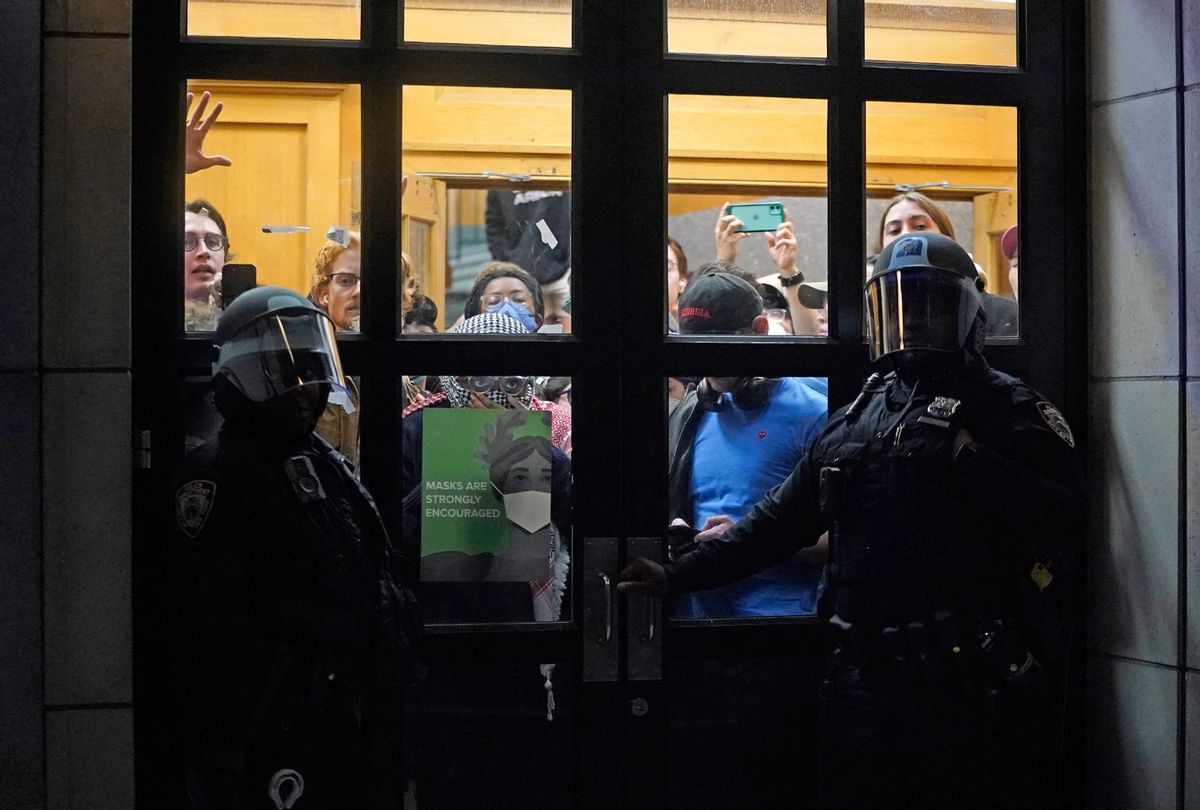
[295, 413]
[291, 416]
[929, 365]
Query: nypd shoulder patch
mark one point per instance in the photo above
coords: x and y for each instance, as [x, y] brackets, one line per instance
[193, 504]
[1056, 421]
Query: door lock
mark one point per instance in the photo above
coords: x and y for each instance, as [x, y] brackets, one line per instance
[639, 707]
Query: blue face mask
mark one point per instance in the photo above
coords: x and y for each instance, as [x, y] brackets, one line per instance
[517, 313]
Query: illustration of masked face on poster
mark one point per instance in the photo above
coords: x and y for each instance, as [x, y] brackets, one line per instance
[522, 479]
[486, 501]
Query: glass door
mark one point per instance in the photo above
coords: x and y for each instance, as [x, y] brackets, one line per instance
[502, 206]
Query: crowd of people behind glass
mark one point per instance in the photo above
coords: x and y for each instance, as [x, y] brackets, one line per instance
[526, 285]
[717, 468]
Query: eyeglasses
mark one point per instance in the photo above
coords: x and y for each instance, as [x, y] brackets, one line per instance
[775, 314]
[517, 297]
[505, 385]
[345, 281]
[212, 241]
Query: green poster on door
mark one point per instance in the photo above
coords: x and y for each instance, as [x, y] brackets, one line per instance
[485, 502]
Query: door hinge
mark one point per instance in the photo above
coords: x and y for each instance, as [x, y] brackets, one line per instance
[143, 450]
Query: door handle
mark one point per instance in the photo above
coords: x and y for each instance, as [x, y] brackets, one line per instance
[606, 636]
[643, 617]
[600, 646]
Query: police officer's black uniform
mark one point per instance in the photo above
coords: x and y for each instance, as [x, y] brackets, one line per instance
[292, 634]
[947, 566]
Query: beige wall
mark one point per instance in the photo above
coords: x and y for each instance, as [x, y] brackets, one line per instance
[1144, 394]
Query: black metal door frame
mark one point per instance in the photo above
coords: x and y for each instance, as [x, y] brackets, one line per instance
[620, 75]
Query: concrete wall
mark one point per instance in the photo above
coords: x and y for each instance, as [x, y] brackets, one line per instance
[66, 634]
[1144, 391]
[21, 736]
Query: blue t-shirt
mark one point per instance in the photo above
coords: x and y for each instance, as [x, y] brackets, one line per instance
[737, 457]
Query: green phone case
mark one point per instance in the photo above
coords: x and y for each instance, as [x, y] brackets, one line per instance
[757, 217]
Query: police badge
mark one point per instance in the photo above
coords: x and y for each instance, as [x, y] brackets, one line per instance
[1056, 421]
[943, 407]
[193, 502]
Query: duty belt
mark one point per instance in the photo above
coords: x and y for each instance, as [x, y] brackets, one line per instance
[946, 647]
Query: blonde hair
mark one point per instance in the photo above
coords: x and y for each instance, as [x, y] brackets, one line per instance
[409, 285]
[327, 255]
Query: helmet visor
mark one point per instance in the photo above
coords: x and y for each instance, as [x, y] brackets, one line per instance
[280, 353]
[919, 309]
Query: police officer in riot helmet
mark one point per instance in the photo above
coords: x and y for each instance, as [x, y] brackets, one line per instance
[954, 499]
[292, 632]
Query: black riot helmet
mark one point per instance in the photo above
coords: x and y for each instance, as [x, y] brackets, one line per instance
[272, 341]
[924, 295]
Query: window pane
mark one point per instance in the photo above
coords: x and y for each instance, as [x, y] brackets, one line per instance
[486, 496]
[290, 19]
[969, 32]
[284, 212]
[489, 193]
[747, 434]
[952, 169]
[747, 27]
[766, 153]
[528, 23]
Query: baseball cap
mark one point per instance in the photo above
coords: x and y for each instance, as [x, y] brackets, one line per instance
[772, 296]
[1008, 243]
[718, 303]
[813, 294]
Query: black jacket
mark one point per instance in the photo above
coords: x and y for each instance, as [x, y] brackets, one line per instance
[288, 623]
[682, 423]
[513, 236]
[919, 530]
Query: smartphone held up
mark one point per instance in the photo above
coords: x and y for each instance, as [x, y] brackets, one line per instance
[759, 217]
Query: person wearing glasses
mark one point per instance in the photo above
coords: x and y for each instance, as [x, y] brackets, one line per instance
[507, 289]
[532, 229]
[205, 253]
[775, 309]
[337, 281]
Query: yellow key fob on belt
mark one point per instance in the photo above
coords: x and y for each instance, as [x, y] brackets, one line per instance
[1041, 576]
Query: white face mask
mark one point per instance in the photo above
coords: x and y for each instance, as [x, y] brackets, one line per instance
[529, 510]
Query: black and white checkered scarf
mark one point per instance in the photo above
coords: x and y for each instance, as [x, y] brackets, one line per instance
[488, 323]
